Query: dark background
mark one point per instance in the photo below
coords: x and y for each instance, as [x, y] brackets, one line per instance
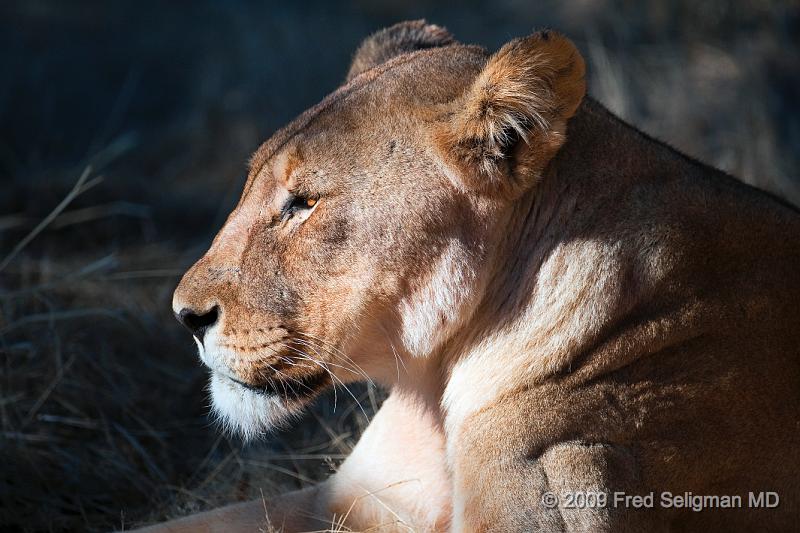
[102, 404]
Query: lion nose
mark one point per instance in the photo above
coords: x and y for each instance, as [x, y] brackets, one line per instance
[198, 323]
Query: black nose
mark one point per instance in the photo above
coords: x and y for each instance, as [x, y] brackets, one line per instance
[196, 323]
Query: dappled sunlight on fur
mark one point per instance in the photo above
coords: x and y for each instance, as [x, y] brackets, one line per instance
[105, 416]
[571, 300]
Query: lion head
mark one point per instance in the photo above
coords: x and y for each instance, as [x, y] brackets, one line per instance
[366, 226]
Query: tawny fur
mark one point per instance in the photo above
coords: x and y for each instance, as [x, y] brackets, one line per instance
[404, 37]
[527, 91]
[558, 304]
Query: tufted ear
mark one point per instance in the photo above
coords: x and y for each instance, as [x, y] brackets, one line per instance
[395, 40]
[501, 133]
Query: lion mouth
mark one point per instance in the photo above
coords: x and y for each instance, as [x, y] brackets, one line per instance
[293, 388]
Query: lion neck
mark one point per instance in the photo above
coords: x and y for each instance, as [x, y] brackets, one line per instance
[542, 296]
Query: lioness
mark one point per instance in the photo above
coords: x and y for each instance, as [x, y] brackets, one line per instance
[570, 315]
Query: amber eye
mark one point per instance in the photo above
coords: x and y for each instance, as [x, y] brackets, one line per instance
[296, 203]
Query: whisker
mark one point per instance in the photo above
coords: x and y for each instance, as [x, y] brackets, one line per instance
[283, 384]
[398, 361]
[334, 351]
[307, 357]
[349, 369]
[334, 377]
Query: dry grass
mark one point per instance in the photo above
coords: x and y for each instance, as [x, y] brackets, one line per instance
[102, 405]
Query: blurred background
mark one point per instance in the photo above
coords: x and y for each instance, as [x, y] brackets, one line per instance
[125, 128]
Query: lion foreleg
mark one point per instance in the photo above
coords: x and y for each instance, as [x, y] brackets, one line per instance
[394, 480]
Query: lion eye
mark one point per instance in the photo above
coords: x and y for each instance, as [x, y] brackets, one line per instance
[296, 203]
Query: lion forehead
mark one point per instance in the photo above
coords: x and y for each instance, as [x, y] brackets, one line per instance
[401, 85]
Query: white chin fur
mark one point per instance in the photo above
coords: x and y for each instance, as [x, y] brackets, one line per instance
[245, 412]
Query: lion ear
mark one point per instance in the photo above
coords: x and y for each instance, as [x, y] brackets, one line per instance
[395, 40]
[501, 133]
